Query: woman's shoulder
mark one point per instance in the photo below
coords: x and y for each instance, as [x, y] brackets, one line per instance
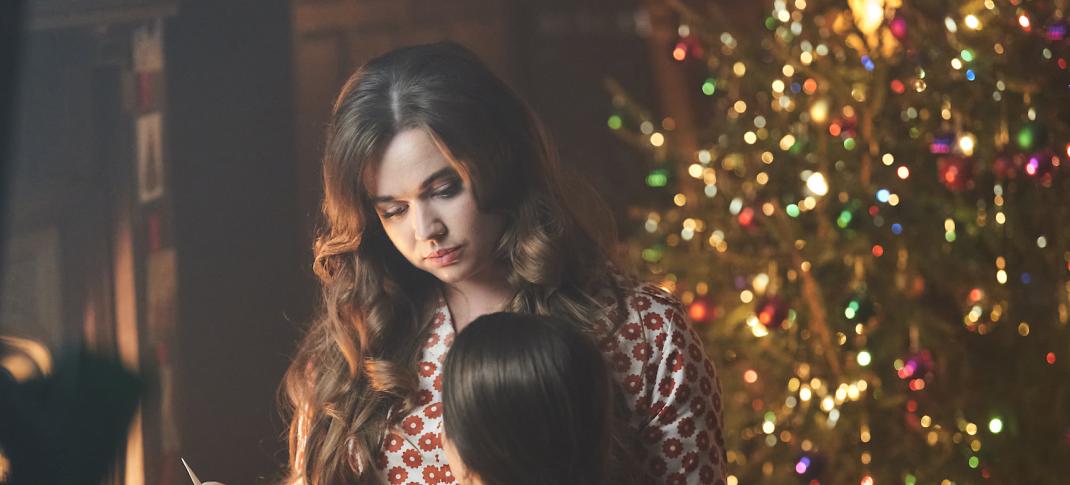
[638, 301]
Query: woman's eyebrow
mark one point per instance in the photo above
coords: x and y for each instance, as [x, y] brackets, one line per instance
[426, 184]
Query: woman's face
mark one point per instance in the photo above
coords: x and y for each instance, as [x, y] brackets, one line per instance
[429, 211]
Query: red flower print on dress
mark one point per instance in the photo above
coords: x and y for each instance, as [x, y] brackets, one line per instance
[711, 420]
[652, 435]
[429, 441]
[433, 411]
[690, 461]
[447, 474]
[440, 318]
[657, 466]
[672, 447]
[706, 474]
[686, 427]
[677, 338]
[427, 369]
[448, 341]
[694, 352]
[683, 392]
[432, 340]
[657, 407]
[381, 460]
[676, 478]
[668, 415]
[632, 331]
[397, 475]
[676, 361]
[621, 362]
[393, 442]
[698, 406]
[702, 440]
[653, 322]
[659, 341]
[424, 397]
[413, 425]
[641, 351]
[666, 386]
[432, 474]
[608, 345]
[633, 384]
[705, 385]
[640, 303]
[690, 372]
[412, 458]
[438, 383]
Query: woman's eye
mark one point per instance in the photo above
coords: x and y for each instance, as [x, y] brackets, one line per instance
[447, 190]
[393, 212]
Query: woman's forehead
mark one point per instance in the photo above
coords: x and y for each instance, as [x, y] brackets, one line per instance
[410, 161]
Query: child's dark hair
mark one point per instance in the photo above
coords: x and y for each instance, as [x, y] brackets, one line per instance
[529, 399]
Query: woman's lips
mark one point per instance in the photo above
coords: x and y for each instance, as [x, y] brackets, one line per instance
[445, 257]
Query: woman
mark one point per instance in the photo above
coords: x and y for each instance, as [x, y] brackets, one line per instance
[443, 201]
[528, 400]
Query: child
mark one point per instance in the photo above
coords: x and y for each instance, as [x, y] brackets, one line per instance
[527, 400]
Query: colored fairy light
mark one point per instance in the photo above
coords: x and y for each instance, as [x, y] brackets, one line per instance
[868, 63]
[995, 425]
[792, 210]
[883, 194]
[657, 178]
[709, 87]
[972, 22]
[802, 465]
[970, 75]
[897, 228]
[1050, 358]
[864, 358]
[680, 52]
[878, 250]
[903, 172]
[614, 122]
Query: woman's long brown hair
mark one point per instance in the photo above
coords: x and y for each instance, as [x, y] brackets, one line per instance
[356, 367]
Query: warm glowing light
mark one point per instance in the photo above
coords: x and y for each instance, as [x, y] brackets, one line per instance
[967, 143]
[657, 139]
[819, 113]
[972, 22]
[817, 184]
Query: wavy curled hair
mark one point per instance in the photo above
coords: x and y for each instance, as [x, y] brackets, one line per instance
[355, 370]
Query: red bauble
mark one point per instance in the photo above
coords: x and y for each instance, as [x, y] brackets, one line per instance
[956, 172]
[771, 310]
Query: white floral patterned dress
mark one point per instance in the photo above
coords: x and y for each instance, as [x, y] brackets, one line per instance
[671, 388]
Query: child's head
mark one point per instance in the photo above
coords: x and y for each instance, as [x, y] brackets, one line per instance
[527, 400]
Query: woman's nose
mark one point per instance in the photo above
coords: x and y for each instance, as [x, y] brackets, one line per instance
[428, 224]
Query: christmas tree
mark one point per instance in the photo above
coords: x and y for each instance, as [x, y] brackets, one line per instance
[864, 207]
